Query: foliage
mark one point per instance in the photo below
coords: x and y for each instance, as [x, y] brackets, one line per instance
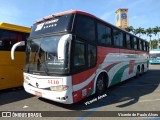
[149, 32]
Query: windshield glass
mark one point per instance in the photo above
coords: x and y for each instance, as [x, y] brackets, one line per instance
[42, 56]
[155, 55]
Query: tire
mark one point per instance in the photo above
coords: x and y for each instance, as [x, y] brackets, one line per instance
[100, 85]
[142, 70]
[137, 73]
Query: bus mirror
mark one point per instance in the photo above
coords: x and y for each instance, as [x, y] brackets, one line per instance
[62, 45]
[22, 43]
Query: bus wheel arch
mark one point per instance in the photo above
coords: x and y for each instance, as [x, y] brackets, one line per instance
[101, 78]
[138, 71]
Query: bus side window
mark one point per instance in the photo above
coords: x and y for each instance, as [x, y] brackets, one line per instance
[132, 42]
[144, 46]
[121, 42]
[138, 46]
[116, 37]
[135, 43]
[147, 46]
[104, 34]
[85, 28]
[128, 41]
[79, 54]
[91, 55]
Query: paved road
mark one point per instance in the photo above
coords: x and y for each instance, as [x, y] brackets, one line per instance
[142, 94]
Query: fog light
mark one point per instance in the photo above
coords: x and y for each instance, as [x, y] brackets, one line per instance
[25, 81]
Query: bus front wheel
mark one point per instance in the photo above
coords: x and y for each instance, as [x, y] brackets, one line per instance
[100, 85]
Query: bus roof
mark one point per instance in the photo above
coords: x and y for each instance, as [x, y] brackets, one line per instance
[83, 13]
[13, 27]
[64, 13]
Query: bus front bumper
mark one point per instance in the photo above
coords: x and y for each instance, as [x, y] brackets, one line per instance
[61, 97]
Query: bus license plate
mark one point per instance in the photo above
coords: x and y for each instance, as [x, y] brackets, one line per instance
[39, 94]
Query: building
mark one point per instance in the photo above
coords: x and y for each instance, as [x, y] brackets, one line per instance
[122, 18]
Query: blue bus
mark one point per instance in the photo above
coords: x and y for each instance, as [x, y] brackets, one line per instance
[154, 56]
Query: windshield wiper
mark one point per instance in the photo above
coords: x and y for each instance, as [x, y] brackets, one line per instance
[42, 63]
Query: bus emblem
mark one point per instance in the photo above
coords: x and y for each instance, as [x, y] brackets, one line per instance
[39, 27]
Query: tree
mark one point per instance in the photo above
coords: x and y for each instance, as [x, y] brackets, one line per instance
[140, 31]
[129, 29]
[149, 33]
[154, 44]
[156, 30]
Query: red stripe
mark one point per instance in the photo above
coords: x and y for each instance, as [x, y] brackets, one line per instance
[111, 65]
[83, 76]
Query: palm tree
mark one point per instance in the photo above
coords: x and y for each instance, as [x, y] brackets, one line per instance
[156, 30]
[129, 29]
[140, 31]
[149, 32]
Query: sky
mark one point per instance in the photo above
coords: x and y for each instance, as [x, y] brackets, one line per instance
[142, 13]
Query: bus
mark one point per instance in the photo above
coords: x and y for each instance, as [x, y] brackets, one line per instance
[73, 54]
[154, 55]
[11, 71]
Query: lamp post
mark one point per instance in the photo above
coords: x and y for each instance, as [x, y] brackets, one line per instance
[150, 42]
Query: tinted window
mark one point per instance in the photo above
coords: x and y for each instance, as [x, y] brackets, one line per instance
[118, 38]
[91, 55]
[140, 45]
[56, 24]
[128, 41]
[132, 42]
[79, 54]
[9, 38]
[144, 46]
[104, 34]
[135, 43]
[147, 46]
[85, 28]
[121, 39]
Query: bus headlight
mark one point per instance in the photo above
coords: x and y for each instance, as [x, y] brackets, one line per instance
[25, 81]
[59, 88]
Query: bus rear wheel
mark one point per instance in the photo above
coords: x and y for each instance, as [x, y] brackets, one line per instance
[137, 72]
[142, 70]
[100, 85]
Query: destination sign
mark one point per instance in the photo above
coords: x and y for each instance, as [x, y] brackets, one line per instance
[56, 24]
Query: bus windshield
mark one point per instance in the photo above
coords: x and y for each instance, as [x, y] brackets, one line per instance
[42, 56]
[155, 56]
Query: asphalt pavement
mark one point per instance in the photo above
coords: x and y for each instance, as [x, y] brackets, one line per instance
[136, 94]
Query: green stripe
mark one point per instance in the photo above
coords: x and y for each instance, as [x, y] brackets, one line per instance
[118, 76]
[91, 92]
